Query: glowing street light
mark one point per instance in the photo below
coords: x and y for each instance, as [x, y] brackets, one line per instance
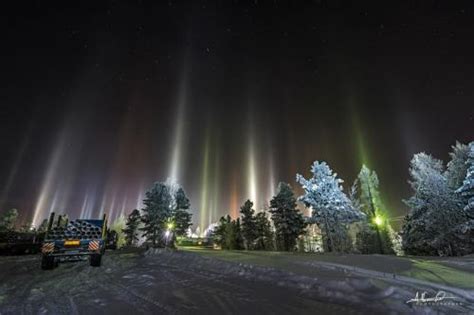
[169, 231]
[378, 220]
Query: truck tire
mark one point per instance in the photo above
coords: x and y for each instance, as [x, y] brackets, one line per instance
[47, 262]
[95, 260]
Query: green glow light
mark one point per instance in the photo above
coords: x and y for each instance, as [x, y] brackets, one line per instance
[378, 220]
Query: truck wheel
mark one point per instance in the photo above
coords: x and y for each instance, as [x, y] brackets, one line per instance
[47, 262]
[95, 260]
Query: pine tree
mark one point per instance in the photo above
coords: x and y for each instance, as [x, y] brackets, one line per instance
[435, 211]
[238, 237]
[289, 222]
[332, 210]
[457, 167]
[227, 234]
[248, 224]
[181, 214]
[131, 229]
[465, 231]
[219, 232]
[264, 232]
[156, 213]
[376, 229]
[230, 235]
[467, 188]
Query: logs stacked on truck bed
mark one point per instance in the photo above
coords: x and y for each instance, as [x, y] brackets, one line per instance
[77, 229]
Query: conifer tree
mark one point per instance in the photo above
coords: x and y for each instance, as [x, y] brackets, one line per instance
[248, 224]
[156, 213]
[132, 226]
[264, 232]
[287, 219]
[331, 209]
[181, 214]
[376, 228]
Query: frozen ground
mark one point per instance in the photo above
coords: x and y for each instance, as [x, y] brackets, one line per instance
[210, 282]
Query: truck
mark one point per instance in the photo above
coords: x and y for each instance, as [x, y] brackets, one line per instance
[74, 241]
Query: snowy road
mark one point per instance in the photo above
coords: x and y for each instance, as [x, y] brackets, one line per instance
[161, 282]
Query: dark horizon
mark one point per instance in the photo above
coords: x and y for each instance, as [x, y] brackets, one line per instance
[100, 101]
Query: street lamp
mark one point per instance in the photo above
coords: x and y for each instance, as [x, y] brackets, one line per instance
[378, 220]
[169, 231]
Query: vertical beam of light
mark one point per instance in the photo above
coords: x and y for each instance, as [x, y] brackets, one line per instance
[14, 169]
[176, 152]
[112, 208]
[203, 213]
[210, 212]
[54, 203]
[87, 209]
[252, 174]
[102, 206]
[359, 138]
[140, 197]
[177, 143]
[215, 192]
[271, 177]
[47, 184]
[251, 163]
[123, 208]
[363, 152]
[84, 207]
[234, 198]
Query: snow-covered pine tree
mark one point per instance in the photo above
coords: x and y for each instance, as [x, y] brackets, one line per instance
[465, 231]
[156, 213]
[456, 168]
[332, 210]
[435, 211]
[288, 221]
[248, 224]
[467, 188]
[131, 228]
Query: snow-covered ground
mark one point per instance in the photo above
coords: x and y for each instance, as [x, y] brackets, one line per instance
[160, 282]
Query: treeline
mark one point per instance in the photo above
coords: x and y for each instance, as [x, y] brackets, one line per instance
[347, 223]
[277, 229]
[440, 220]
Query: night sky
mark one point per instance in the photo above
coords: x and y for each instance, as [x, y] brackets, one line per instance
[100, 100]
